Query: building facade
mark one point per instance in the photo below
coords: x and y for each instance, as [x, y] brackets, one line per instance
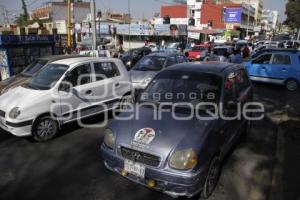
[269, 19]
[257, 4]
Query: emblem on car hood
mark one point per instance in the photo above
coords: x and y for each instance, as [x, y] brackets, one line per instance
[144, 136]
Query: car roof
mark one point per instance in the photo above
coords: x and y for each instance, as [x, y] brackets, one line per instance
[71, 61]
[165, 53]
[223, 47]
[281, 50]
[210, 67]
[53, 58]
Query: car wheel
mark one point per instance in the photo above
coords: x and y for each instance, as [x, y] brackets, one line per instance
[291, 85]
[44, 129]
[212, 177]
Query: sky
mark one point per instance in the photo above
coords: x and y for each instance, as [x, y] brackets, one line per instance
[139, 8]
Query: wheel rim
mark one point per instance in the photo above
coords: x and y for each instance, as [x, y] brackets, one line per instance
[212, 177]
[46, 129]
[292, 85]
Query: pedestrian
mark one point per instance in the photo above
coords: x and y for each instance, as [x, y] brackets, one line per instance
[236, 57]
[245, 51]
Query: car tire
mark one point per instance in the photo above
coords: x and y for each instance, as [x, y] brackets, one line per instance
[212, 177]
[44, 128]
[292, 84]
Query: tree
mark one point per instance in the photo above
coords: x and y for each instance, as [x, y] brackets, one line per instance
[22, 20]
[293, 14]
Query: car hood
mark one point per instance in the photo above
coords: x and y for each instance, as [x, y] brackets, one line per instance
[20, 97]
[139, 76]
[12, 82]
[170, 134]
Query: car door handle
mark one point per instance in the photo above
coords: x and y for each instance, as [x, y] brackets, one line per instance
[263, 67]
[117, 85]
[88, 92]
[284, 69]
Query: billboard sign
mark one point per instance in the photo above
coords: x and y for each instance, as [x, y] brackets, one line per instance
[233, 15]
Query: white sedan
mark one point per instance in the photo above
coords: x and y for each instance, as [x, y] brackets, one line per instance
[62, 92]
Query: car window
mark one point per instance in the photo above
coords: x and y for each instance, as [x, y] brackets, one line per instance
[80, 75]
[171, 61]
[263, 59]
[280, 59]
[105, 70]
[181, 59]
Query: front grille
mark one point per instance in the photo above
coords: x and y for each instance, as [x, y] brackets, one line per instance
[140, 157]
[2, 113]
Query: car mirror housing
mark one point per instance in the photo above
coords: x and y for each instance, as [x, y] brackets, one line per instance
[64, 86]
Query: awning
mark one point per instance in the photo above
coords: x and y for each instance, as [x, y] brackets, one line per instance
[209, 31]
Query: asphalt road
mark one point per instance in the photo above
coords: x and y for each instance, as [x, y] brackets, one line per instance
[71, 167]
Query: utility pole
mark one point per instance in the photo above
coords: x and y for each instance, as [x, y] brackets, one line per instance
[69, 26]
[129, 12]
[93, 17]
[249, 6]
[25, 9]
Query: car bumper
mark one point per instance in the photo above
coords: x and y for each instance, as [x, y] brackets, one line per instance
[170, 183]
[18, 129]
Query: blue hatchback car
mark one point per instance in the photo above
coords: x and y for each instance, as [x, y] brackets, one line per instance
[166, 147]
[276, 67]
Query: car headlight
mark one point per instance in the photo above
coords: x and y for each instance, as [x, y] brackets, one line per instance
[109, 139]
[128, 63]
[14, 113]
[146, 81]
[184, 159]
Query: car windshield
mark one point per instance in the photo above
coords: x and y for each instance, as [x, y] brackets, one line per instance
[198, 48]
[220, 51]
[34, 67]
[183, 87]
[172, 45]
[47, 77]
[150, 63]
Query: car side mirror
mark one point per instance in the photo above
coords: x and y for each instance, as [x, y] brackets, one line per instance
[64, 86]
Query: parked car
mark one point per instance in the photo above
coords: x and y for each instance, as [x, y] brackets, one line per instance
[29, 71]
[62, 92]
[131, 57]
[198, 53]
[179, 157]
[143, 72]
[277, 67]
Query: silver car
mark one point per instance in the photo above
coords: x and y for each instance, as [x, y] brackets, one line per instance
[144, 71]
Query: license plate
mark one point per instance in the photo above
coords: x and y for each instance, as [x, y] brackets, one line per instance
[134, 168]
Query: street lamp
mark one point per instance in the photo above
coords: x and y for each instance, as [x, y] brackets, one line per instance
[129, 12]
[248, 18]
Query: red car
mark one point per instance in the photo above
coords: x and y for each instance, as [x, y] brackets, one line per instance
[198, 52]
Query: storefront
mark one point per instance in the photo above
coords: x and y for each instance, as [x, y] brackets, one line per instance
[16, 51]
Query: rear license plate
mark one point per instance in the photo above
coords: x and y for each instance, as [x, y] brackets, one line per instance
[134, 168]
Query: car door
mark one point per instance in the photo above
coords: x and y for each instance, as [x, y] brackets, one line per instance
[77, 100]
[260, 66]
[280, 66]
[108, 84]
